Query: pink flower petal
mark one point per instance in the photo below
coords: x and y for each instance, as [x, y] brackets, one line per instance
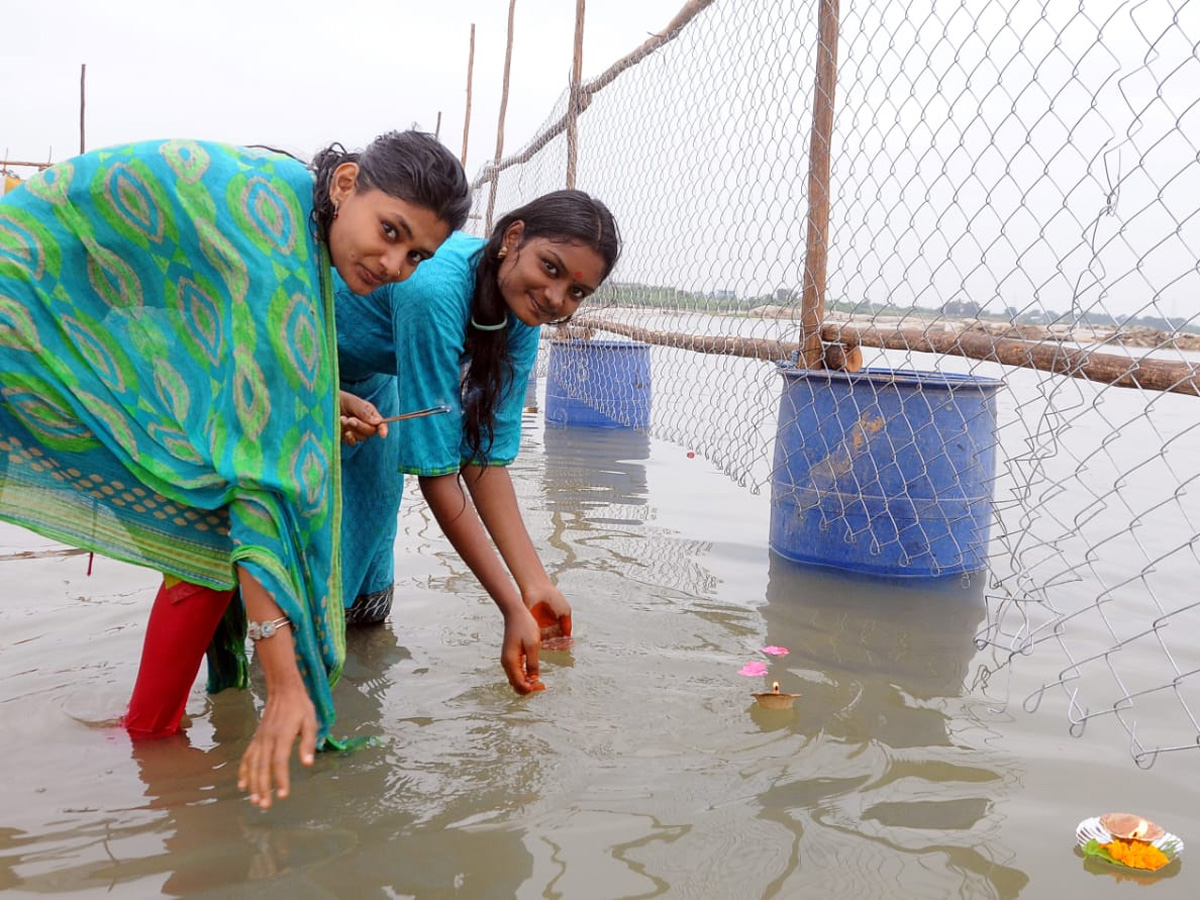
[752, 669]
[775, 651]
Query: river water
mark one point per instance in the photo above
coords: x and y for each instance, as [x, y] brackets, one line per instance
[645, 770]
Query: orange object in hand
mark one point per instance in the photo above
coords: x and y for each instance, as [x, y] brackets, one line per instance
[556, 630]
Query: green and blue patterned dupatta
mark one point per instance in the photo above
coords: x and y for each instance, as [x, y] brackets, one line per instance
[168, 375]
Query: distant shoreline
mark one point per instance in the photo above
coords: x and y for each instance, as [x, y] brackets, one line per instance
[1082, 335]
[1132, 336]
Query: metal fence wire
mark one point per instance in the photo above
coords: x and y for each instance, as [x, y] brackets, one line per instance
[1013, 193]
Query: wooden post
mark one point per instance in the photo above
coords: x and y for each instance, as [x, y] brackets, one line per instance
[573, 99]
[817, 249]
[491, 207]
[467, 116]
[82, 104]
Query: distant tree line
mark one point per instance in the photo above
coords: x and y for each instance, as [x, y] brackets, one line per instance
[727, 301]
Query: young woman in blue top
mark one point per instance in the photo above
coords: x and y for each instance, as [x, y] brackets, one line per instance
[463, 333]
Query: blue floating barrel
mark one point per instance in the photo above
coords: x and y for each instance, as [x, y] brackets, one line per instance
[884, 472]
[598, 384]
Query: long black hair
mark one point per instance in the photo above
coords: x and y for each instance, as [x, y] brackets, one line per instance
[411, 165]
[562, 217]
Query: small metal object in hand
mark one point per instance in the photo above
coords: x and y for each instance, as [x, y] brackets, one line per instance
[258, 631]
[420, 413]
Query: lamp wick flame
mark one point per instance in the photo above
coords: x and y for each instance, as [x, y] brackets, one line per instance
[1142, 827]
[774, 687]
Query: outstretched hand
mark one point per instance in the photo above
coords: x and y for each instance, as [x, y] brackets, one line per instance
[553, 615]
[360, 419]
[519, 655]
[289, 713]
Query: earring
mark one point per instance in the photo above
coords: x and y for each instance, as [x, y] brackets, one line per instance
[335, 210]
[501, 253]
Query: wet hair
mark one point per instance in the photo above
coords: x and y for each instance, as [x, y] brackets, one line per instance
[411, 165]
[566, 217]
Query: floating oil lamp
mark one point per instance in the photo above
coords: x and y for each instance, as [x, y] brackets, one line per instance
[773, 699]
[1129, 827]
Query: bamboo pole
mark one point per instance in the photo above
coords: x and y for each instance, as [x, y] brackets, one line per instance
[817, 250]
[82, 106]
[42, 554]
[20, 162]
[573, 96]
[1047, 356]
[690, 10]
[687, 12]
[491, 207]
[467, 116]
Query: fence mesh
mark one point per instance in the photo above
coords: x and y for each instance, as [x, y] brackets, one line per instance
[1012, 197]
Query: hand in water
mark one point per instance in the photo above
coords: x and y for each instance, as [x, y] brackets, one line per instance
[519, 656]
[288, 714]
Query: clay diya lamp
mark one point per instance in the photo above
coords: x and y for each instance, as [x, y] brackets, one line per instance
[773, 699]
[1129, 827]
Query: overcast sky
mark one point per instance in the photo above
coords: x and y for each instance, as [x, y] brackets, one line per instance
[1032, 155]
[295, 74]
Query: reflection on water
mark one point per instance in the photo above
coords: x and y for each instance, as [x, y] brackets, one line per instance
[879, 666]
[597, 473]
[596, 491]
[205, 846]
[890, 647]
[646, 768]
[880, 756]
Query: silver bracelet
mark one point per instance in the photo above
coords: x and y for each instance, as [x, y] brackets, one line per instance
[258, 631]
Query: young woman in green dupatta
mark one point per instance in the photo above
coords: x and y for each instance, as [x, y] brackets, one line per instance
[169, 385]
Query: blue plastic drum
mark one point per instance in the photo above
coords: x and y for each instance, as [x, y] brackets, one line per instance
[884, 472]
[598, 384]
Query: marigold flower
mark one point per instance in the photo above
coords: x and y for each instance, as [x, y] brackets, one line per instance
[1136, 854]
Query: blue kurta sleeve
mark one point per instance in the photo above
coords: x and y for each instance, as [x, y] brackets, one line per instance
[430, 316]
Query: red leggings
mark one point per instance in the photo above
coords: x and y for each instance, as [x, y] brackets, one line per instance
[184, 618]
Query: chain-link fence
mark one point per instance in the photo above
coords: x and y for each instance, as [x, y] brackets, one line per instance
[1012, 195]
